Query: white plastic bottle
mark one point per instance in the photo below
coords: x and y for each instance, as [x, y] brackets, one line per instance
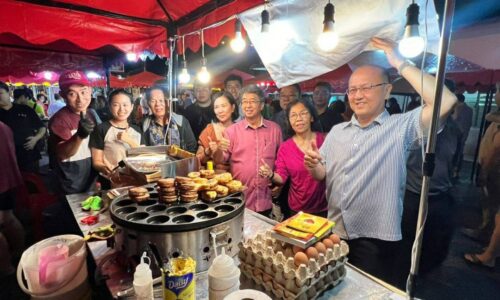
[143, 279]
[223, 277]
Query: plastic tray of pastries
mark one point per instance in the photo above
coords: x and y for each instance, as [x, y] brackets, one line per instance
[268, 264]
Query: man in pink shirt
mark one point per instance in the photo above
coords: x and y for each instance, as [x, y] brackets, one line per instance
[251, 140]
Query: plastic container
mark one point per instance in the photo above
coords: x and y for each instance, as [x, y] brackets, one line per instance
[223, 277]
[143, 279]
[54, 268]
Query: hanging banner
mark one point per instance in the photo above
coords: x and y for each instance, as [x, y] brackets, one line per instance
[290, 50]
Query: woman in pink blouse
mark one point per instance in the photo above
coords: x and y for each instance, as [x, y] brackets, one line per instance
[305, 194]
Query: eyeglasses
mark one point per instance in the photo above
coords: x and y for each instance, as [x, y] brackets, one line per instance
[363, 89]
[250, 102]
[303, 114]
[157, 101]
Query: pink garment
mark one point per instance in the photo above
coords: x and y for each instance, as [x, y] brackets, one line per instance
[11, 177]
[305, 194]
[247, 147]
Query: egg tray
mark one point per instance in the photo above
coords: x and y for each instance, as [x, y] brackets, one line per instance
[153, 215]
[269, 265]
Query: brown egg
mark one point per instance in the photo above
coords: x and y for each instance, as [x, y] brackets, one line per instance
[312, 253]
[335, 238]
[328, 243]
[300, 258]
[320, 247]
[296, 249]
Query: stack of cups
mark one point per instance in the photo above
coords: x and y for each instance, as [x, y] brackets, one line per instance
[223, 277]
[143, 280]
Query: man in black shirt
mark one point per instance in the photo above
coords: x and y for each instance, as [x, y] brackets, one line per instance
[321, 96]
[201, 113]
[27, 128]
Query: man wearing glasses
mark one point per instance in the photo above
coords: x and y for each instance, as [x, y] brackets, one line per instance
[252, 141]
[287, 94]
[363, 161]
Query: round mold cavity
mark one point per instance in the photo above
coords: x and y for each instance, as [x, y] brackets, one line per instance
[207, 215]
[150, 189]
[224, 208]
[124, 202]
[233, 201]
[183, 219]
[126, 210]
[137, 216]
[146, 203]
[198, 207]
[158, 219]
[176, 210]
[153, 195]
[156, 208]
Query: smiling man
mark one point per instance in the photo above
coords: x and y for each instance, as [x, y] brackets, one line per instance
[363, 161]
[70, 128]
[251, 141]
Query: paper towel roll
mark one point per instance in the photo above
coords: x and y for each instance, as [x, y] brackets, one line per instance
[247, 294]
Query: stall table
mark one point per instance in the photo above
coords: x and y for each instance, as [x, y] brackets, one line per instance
[356, 284]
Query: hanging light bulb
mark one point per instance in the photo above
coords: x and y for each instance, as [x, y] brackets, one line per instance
[203, 76]
[48, 75]
[238, 44]
[265, 21]
[184, 76]
[412, 43]
[131, 56]
[328, 39]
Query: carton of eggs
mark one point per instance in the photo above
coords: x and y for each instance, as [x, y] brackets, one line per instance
[292, 272]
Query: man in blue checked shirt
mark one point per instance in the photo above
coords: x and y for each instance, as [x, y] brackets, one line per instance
[363, 161]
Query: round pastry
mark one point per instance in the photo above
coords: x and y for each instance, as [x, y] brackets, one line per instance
[200, 180]
[234, 186]
[168, 199]
[137, 191]
[189, 197]
[207, 173]
[212, 183]
[221, 190]
[141, 198]
[183, 180]
[194, 174]
[224, 178]
[208, 195]
[190, 187]
[166, 190]
[166, 182]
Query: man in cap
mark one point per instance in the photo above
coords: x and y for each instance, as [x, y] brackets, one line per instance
[70, 128]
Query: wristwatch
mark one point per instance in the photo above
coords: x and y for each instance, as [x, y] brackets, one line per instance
[405, 64]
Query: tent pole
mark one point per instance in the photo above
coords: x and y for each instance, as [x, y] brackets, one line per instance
[428, 165]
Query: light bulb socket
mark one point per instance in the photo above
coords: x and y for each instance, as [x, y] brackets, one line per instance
[329, 12]
[237, 26]
[203, 62]
[184, 64]
[328, 26]
[412, 13]
[411, 31]
[265, 21]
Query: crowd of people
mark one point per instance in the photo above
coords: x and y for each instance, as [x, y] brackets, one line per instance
[357, 162]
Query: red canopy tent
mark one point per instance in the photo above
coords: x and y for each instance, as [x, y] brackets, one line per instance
[127, 26]
[143, 79]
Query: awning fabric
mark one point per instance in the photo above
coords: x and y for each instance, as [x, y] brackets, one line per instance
[26, 23]
[143, 79]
